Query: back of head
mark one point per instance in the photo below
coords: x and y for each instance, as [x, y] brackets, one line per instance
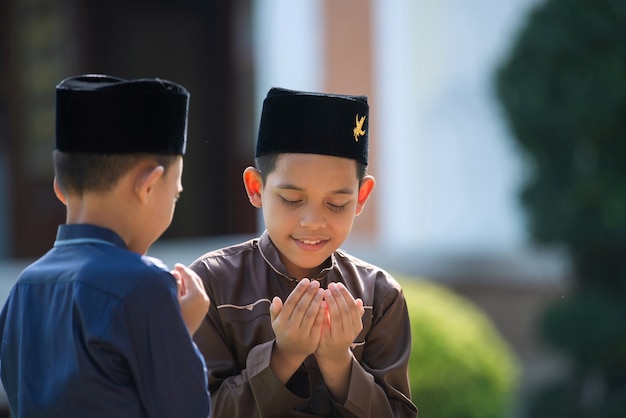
[104, 124]
[313, 123]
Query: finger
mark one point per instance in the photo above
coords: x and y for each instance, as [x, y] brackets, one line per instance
[180, 289]
[275, 308]
[183, 273]
[180, 268]
[194, 282]
[347, 307]
[176, 275]
[354, 306]
[345, 293]
[334, 312]
[342, 296]
[324, 316]
[356, 315]
[309, 320]
[296, 294]
[321, 321]
[359, 304]
[300, 308]
[190, 278]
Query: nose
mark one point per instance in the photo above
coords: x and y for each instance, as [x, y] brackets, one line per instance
[312, 218]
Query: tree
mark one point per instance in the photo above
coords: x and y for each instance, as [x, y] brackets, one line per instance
[563, 92]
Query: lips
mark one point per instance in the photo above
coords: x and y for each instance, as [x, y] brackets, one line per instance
[310, 244]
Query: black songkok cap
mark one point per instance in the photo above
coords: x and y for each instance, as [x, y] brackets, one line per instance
[314, 123]
[108, 115]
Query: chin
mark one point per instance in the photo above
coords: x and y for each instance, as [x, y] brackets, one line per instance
[309, 263]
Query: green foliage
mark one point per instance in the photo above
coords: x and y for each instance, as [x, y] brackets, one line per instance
[563, 92]
[460, 366]
[589, 327]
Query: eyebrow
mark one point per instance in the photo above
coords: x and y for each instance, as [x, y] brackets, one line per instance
[289, 186]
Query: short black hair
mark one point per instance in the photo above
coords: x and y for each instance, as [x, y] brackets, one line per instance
[77, 172]
[267, 163]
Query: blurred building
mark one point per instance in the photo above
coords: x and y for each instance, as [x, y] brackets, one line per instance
[447, 172]
[204, 45]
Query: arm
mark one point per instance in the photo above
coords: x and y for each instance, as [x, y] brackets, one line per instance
[297, 326]
[241, 381]
[193, 300]
[378, 382]
[342, 326]
[165, 364]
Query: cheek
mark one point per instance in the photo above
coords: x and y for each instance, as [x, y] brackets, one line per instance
[277, 216]
[274, 209]
[344, 222]
[168, 208]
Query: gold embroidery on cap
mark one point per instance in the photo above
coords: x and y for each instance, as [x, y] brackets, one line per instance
[358, 129]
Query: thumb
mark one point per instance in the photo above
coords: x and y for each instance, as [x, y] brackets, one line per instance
[359, 304]
[179, 282]
[275, 307]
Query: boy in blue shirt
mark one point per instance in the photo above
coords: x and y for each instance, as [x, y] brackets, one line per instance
[95, 328]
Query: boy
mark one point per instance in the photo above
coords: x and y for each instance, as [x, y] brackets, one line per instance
[298, 328]
[94, 328]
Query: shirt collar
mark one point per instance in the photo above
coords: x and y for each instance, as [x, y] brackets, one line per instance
[271, 255]
[70, 234]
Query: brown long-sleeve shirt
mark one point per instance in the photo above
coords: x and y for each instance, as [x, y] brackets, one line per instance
[236, 339]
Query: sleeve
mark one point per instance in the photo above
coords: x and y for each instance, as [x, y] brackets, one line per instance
[379, 385]
[235, 391]
[167, 368]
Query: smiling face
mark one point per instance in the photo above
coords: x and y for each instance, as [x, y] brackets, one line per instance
[309, 204]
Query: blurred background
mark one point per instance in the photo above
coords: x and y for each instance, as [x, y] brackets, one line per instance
[446, 81]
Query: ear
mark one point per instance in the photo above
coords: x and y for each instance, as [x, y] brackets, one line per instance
[253, 181]
[145, 181]
[57, 191]
[365, 190]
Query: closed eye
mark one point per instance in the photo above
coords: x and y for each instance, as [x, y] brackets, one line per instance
[290, 202]
[337, 208]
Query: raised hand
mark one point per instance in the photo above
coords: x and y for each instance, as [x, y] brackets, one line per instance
[193, 300]
[341, 326]
[297, 325]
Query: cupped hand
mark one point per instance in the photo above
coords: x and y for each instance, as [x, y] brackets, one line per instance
[297, 323]
[192, 297]
[342, 325]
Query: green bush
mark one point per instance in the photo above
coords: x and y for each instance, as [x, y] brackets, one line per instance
[460, 366]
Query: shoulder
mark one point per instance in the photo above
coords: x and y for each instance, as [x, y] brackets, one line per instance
[145, 283]
[366, 271]
[226, 256]
[101, 266]
[148, 275]
[373, 284]
[123, 273]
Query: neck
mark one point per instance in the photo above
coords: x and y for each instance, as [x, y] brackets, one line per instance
[102, 210]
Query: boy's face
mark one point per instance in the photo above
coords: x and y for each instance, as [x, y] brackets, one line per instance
[309, 204]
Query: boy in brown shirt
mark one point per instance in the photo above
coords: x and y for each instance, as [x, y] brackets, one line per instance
[297, 327]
